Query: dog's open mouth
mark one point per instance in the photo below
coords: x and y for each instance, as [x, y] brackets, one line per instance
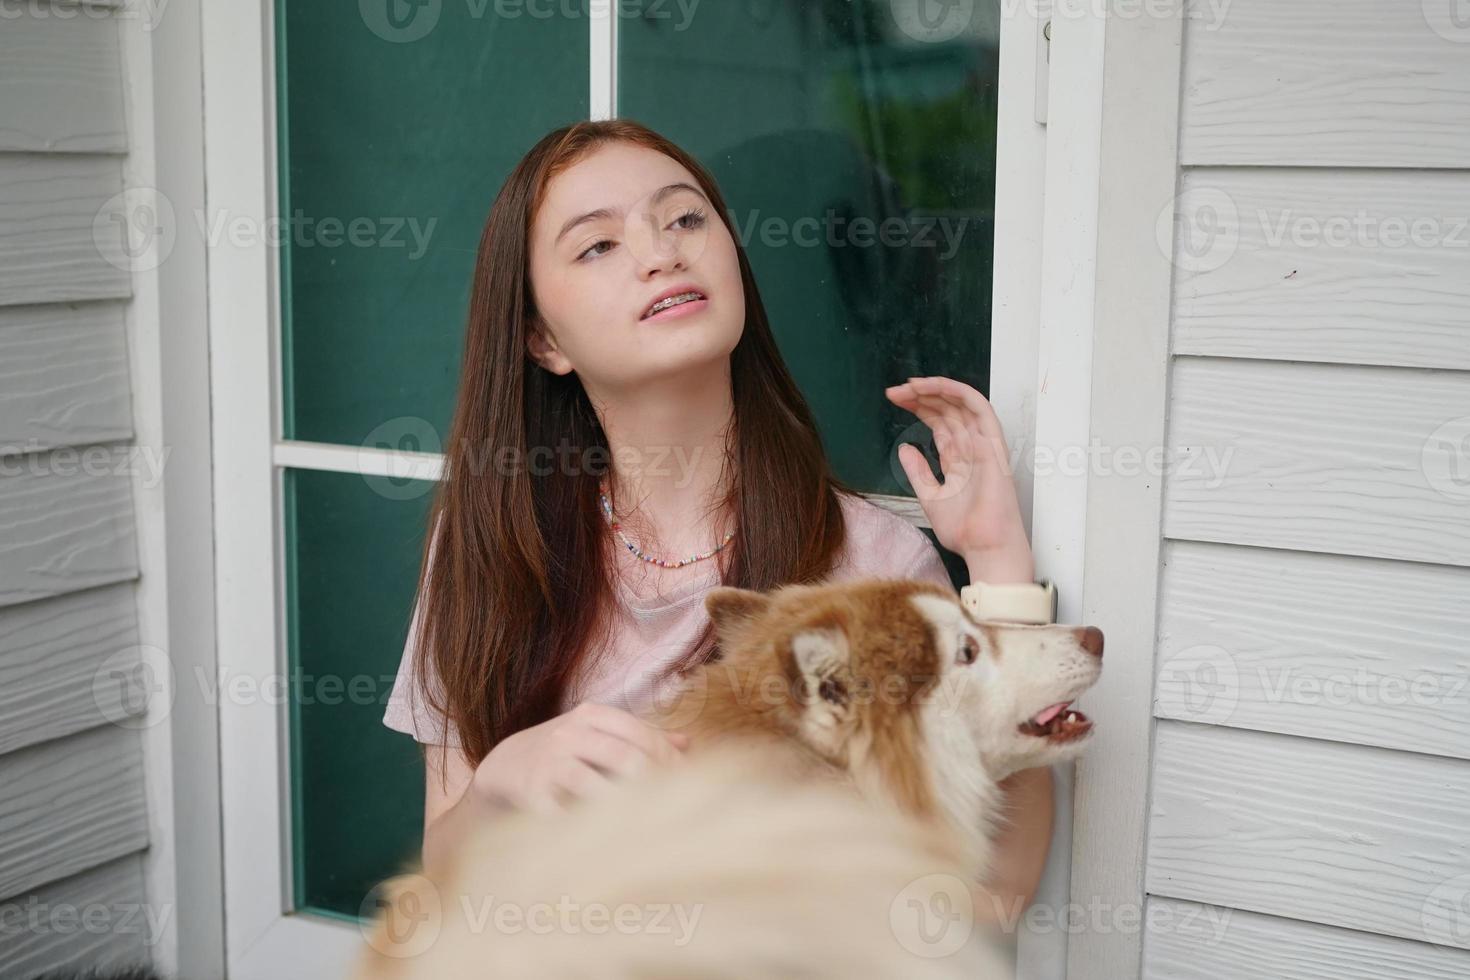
[1058, 723]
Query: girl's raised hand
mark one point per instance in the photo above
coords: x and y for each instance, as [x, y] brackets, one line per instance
[974, 512]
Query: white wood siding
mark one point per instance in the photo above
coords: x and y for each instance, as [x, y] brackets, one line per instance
[1323, 83]
[1205, 942]
[73, 815]
[62, 80]
[109, 891]
[1366, 267]
[63, 376]
[1309, 808]
[1300, 644]
[61, 232]
[52, 653]
[1316, 457]
[64, 525]
[1333, 833]
[69, 805]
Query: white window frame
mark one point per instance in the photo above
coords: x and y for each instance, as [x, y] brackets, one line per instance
[1047, 213]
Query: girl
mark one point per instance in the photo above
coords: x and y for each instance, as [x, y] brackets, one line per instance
[626, 436]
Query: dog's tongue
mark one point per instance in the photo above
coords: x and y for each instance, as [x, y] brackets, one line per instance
[1048, 713]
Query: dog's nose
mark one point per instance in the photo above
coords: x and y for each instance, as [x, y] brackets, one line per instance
[1090, 638]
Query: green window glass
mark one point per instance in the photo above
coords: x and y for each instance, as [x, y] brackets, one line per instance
[397, 130]
[857, 154]
[357, 787]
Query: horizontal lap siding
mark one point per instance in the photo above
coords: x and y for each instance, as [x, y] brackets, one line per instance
[1364, 267]
[1345, 459]
[70, 804]
[1190, 941]
[62, 80]
[1344, 835]
[108, 894]
[63, 376]
[1352, 83]
[73, 820]
[1310, 773]
[65, 524]
[1357, 650]
[67, 664]
[61, 232]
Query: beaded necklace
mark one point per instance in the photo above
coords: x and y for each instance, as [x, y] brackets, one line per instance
[607, 512]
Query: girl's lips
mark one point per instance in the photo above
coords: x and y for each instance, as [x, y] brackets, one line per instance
[683, 309]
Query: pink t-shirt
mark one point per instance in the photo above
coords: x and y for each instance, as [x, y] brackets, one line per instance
[649, 634]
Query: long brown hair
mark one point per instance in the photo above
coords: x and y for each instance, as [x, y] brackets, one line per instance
[520, 583]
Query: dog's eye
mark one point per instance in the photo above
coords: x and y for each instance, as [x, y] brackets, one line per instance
[969, 649]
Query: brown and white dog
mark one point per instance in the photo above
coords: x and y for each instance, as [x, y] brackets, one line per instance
[884, 687]
[892, 685]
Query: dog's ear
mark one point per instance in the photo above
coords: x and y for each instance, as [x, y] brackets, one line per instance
[821, 656]
[822, 661]
[729, 606]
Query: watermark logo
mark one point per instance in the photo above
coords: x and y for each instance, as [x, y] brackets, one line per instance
[673, 702]
[1199, 229]
[665, 231]
[400, 21]
[150, 12]
[933, 916]
[1450, 19]
[1202, 926]
[1445, 458]
[401, 917]
[134, 687]
[383, 461]
[28, 920]
[41, 459]
[135, 229]
[914, 435]
[833, 230]
[1445, 914]
[404, 21]
[304, 231]
[933, 21]
[1200, 684]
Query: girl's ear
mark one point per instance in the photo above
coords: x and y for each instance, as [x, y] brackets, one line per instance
[543, 349]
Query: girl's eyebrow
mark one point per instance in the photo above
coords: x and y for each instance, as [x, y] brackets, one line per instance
[601, 213]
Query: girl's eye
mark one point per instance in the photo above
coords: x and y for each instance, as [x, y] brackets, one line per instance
[692, 219]
[688, 221]
[594, 245]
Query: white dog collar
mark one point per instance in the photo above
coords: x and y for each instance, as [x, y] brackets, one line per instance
[1021, 602]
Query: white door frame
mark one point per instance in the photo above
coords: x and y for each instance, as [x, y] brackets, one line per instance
[1044, 275]
[261, 938]
[1132, 297]
[1092, 192]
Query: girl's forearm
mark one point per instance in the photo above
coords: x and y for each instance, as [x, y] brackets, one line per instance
[998, 566]
[1021, 846]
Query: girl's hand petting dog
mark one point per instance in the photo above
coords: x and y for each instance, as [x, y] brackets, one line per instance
[575, 754]
[974, 512]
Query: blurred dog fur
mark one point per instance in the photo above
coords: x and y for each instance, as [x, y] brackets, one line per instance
[719, 869]
[756, 845]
